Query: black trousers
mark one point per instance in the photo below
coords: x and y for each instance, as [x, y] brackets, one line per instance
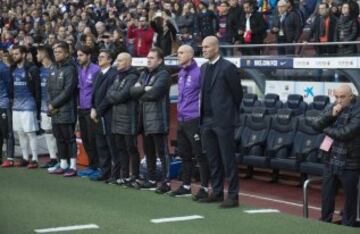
[349, 180]
[88, 133]
[189, 145]
[156, 145]
[219, 146]
[109, 158]
[6, 132]
[127, 146]
[65, 140]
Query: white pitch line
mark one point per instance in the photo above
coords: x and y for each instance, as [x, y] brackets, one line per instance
[68, 228]
[278, 201]
[261, 211]
[176, 219]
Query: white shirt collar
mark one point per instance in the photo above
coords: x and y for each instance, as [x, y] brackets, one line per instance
[103, 71]
[215, 60]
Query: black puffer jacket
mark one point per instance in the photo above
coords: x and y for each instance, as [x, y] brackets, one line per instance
[125, 108]
[347, 29]
[349, 134]
[154, 104]
[62, 88]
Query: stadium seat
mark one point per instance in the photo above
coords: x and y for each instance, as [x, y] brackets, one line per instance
[272, 103]
[319, 103]
[307, 145]
[249, 101]
[280, 141]
[296, 103]
[253, 138]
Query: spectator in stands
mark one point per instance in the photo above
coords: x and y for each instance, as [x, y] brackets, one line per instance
[125, 119]
[252, 28]
[221, 95]
[227, 29]
[188, 132]
[323, 30]
[87, 72]
[152, 91]
[287, 27]
[101, 114]
[142, 37]
[341, 123]
[186, 23]
[45, 57]
[347, 29]
[6, 132]
[207, 22]
[61, 88]
[165, 32]
[105, 43]
[118, 41]
[25, 93]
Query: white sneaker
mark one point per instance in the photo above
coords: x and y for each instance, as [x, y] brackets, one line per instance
[52, 169]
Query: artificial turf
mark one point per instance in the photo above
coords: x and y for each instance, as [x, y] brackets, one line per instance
[32, 199]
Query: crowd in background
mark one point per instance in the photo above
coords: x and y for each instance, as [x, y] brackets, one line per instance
[135, 26]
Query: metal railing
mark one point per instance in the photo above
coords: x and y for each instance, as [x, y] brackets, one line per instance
[306, 194]
[290, 44]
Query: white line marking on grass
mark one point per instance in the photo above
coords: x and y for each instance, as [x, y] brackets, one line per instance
[261, 211]
[176, 219]
[68, 228]
[280, 201]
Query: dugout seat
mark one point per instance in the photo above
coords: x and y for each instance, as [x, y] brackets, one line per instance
[296, 103]
[272, 103]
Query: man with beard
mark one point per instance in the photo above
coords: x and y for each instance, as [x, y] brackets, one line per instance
[25, 92]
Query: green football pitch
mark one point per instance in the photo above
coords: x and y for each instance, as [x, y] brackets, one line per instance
[32, 199]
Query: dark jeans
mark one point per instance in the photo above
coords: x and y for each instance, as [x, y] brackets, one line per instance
[156, 145]
[109, 158]
[127, 146]
[189, 145]
[6, 132]
[219, 146]
[65, 140]
[88, 129]
[349, 180]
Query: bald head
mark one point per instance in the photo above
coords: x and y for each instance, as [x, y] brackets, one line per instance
[185, 55]
[210, 48]
[343, 94]
[123, 61]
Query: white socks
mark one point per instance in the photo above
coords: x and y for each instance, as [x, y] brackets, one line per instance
[64, 164]
[33, 145]
[24, 139]
[51, 144]
[73, 163]
[24, 145]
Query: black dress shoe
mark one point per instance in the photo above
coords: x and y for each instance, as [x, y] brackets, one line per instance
[111, 181]
[229, 203]
[212, 198]
[202, 194]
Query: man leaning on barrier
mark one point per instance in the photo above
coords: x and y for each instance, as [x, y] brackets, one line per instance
[341, 125]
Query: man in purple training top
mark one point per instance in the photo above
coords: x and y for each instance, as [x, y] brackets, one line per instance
[188, 132]
[87, 72]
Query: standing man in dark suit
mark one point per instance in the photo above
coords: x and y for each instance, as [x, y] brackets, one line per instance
[287, 27]
[101, 113]
[221, 95]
